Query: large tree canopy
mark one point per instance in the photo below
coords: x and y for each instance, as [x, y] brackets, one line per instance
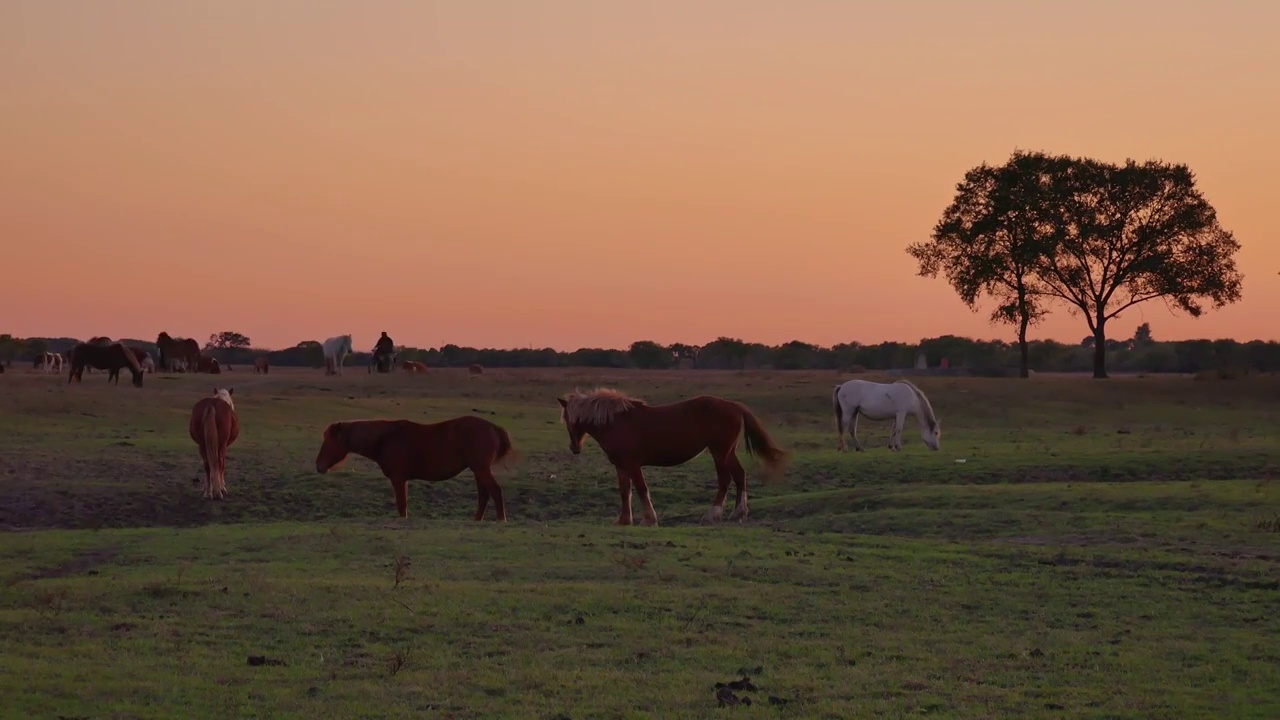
[1098, 236]
[991, 238]
[1132, 233]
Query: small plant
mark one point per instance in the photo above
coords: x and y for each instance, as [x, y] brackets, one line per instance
[182, 570]
[1268, 524]
[399, 659]
[401, 571]
[52, 602]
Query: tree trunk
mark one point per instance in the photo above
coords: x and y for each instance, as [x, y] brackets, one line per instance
[1099, 351]
[1023, 371]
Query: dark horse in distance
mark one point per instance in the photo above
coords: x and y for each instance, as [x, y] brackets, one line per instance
[111, 358]
[634, 434]
[405, 450]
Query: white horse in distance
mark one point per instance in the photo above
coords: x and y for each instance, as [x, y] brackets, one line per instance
[51, 362]
[884, 401]
[336, 349]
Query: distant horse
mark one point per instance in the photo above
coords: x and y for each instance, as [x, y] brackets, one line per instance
[50, 361]
[405, 450]
[476, 369]
[104, 357]
[414, 367]
[634, 434]
[214, 426]
[884, 401]
[207, 365]
[261, 365]
[336, 350]
[176, 353]
[148, 363]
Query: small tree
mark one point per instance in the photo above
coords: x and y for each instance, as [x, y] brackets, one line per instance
[990, 239]
[1133, 233]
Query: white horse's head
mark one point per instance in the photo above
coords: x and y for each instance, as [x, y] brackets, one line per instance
[931, 433]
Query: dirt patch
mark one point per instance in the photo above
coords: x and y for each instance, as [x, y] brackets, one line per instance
[77, 565]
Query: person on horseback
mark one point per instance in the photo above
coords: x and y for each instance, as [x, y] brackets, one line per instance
[384, 353]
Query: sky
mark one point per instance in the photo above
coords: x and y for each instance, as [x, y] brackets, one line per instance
[567, 173]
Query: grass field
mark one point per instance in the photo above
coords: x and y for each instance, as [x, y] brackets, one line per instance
[1106, 550]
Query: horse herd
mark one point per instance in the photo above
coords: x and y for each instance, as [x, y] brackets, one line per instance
[631, 433]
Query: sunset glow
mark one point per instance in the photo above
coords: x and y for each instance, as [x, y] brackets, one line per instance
[572, 173]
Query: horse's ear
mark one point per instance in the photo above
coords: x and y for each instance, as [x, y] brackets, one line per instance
[563, 404]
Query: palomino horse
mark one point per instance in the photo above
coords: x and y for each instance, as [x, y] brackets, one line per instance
[405, 450]
[634, 434]
[261, 365]
[336, 350]
[884, 401]
[214, 426]
[413, 367]
[172, 351]
[104, 357]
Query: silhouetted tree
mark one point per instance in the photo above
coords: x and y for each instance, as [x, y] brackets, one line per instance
[649, 355]
[1142, 336]
[1132, 233]
[990, 240]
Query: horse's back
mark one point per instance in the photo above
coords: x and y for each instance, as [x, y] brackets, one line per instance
[224, 418]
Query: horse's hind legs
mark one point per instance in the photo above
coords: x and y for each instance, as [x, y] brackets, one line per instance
[853, 432]
[723, 475]
[740, 509]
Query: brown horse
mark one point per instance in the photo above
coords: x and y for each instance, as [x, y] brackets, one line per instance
[405, 450]
[414, 367]
[261, 365]
[214, 426]
[172, 351]
[634, 434]
[104, 357]
[476, 369]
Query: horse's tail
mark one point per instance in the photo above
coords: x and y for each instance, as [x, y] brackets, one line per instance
[212, 444]
[835, 401]
[760, 444]
[507, 453]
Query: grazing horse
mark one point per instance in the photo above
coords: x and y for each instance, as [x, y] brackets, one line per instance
[413, 367]
[476, 369]
[336, 350]
[104, 357]
[634, 434]
[148, 363]
[207, 365]
[214, 426]
[50, 361]
[261, 365]
[884, 401]
[405, 450]
[176, 353]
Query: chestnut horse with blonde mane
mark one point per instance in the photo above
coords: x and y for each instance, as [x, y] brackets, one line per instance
[214, 426]
[405, 450]
[634, 434]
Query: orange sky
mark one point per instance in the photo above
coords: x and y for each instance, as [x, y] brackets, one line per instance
[570, 173]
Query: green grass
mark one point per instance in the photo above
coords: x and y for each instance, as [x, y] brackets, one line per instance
[1106, 550]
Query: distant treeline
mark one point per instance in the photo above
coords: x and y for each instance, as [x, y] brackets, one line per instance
[984, 357]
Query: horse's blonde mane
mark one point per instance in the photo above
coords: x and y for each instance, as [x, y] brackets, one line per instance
[925, 408]
[597, 407]
[225, 396]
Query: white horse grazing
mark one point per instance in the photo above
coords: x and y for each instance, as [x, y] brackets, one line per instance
[148, 363]
[884, 401]
[336, 350]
